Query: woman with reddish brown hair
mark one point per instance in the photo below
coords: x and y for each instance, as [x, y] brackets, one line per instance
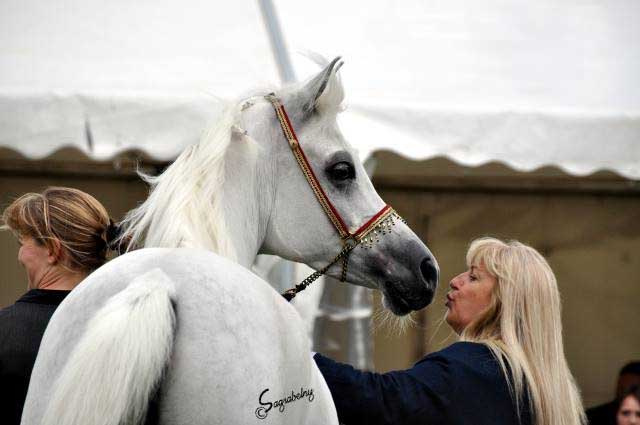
[64, 235]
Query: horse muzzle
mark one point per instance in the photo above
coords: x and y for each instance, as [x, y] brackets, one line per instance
[406, 273]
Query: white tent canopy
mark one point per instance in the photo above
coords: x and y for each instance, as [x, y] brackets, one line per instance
[528, 84]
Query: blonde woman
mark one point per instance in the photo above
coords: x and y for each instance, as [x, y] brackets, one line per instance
[508, 368]
[64, 235]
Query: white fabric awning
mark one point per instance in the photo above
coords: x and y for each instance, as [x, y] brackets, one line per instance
[527, 84]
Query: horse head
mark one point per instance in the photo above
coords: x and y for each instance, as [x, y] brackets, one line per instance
[391, 257]
[241, 191]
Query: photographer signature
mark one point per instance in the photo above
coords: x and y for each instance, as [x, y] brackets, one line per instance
[280, 404]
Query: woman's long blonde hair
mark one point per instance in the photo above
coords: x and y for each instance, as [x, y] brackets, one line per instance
[523, 329]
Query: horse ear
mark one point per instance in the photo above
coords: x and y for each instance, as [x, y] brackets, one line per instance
[324, 91]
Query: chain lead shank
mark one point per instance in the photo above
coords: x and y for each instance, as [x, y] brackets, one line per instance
[289, 294]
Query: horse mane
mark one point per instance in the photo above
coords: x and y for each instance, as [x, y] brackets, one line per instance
[183, 208]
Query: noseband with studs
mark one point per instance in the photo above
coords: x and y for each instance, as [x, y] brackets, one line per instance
[368, 234]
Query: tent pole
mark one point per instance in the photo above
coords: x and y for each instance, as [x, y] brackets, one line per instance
[278, 46]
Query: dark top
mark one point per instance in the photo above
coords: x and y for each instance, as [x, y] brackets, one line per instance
[462, 384]
[21, 328]
[604, 414]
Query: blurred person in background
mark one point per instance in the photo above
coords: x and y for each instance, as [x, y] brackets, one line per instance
[508, 368]
[64, 235]
[628, 412]
[606, 414]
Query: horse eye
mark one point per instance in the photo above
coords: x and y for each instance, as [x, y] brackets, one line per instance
[342, 171]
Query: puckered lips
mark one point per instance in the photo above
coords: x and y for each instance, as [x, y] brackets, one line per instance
[449, 299]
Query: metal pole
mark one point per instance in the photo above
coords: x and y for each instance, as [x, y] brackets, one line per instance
[285, 270]
[278, 46]
[358, 344]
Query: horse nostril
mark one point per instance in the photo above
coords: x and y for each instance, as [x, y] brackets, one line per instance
[429, 272]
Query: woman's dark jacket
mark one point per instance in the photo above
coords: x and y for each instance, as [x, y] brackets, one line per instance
[460, 385]
[21, 328]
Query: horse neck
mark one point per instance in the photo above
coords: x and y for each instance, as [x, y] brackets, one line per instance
[209, 198]
[223, 212]
[245, 198]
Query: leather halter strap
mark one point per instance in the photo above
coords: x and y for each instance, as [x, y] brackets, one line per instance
[349, 240]
[298, 153]
[323, 199]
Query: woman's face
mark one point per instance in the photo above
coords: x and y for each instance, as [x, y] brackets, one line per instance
[35, 258]
[469, 296]
[629, 411]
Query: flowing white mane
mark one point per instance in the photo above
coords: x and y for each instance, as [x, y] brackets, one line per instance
[183, 208]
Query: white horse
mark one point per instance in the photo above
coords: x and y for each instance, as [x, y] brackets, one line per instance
[186, 324]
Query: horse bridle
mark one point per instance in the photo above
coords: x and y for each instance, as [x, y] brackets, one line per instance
[367, 234]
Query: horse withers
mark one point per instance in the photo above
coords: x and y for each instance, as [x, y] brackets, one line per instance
[183, 321]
